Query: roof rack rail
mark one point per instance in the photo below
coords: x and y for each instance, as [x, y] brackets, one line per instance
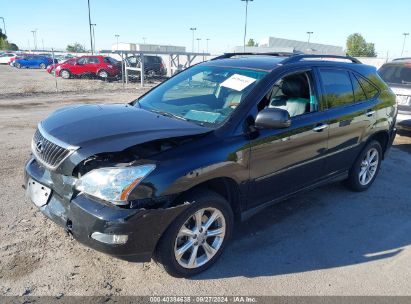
[401, 58]
[277, 54]
[300, 57]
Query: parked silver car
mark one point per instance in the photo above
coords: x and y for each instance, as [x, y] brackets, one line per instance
[397, 74]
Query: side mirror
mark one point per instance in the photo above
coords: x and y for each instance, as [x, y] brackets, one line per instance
[273, 118]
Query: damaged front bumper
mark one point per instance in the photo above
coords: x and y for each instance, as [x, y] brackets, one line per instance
[83, 216]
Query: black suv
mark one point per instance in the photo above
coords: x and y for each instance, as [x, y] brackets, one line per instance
[167, 175]
[153, 66]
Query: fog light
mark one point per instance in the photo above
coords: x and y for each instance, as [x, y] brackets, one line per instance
[110, 238]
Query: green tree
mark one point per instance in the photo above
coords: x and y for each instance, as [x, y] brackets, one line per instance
[3, 41]
[358, 47]
[75, 48]
[251, 42]
[13, 47]
[5, 44]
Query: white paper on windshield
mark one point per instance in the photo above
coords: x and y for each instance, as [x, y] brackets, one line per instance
[238, 82]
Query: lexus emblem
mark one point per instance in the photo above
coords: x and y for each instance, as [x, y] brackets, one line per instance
[39, 146]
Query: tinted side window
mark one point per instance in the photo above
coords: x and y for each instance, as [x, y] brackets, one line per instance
[82, 60]
[93, 60]
[337, 86]
[369, 89]
[358, 91]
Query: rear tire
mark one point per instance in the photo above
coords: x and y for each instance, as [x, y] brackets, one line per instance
[197, 237]
[18, 65]
[365, 169]
[151, 74]
[43, 66]
[65, 74]
[103, 74]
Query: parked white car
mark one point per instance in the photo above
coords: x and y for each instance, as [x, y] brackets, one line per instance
[5, 58]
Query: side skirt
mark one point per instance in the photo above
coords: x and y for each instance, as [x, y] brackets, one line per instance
[253, 211]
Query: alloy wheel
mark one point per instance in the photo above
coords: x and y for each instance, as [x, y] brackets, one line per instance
[200, 238]
[65, 74]
[369, 166]
[103, 74]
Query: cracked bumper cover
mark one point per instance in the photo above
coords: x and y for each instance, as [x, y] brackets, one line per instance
[82, 216]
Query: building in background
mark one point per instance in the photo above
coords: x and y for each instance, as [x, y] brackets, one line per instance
[147, 47]
[272, 44]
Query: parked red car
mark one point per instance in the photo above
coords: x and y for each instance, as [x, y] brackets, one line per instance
[100, 66]
[51, 67]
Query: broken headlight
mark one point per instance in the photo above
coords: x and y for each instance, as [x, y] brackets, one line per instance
[113, 184]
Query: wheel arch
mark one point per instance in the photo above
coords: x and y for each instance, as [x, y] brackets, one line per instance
[383, 138]
[224, 186]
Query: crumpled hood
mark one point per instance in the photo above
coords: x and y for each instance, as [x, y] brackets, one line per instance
[109, 128]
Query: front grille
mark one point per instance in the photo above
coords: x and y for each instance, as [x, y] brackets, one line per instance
[46, 152]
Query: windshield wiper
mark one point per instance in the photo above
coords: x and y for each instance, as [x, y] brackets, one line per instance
[168, 114]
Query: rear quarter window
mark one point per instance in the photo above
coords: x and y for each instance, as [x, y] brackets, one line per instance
[370, 90]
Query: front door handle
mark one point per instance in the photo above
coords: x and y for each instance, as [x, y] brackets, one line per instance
[370, 113]
[320, 127]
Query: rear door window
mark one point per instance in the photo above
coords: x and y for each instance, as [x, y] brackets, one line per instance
[93, 60]
[338, 90]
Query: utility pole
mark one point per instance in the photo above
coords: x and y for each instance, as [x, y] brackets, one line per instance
[89, 23]
[117, 35]
[193, 29]
[4, 25]
[208, 39]
[198, 45]
[403, 45]
[246, 15]
[94, 37]
[309, 36]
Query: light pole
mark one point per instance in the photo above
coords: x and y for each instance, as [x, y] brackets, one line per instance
[94, 37]
[89, 23]
[246, 15]
[144, 40]
[193, 29]
[4, 25]
[309, 36]
[403, 44]
[198, 45]
[208, 39]
[35, 39]
[117, 35]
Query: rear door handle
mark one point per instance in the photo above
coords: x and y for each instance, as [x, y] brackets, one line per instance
[320, 127]
[370, 113]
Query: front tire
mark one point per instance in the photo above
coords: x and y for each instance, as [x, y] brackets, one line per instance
[65, 74]
[365, 169]
[18, 65]
[43, 66]
[197, 237]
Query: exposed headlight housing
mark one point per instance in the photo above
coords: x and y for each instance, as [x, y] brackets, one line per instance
[113, 184]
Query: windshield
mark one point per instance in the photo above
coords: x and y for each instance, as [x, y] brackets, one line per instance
[398, 74]
[206, 95]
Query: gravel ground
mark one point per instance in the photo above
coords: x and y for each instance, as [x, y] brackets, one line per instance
[21, 82]
[326, 242]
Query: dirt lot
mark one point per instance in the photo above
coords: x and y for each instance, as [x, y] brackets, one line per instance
[326, 242]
